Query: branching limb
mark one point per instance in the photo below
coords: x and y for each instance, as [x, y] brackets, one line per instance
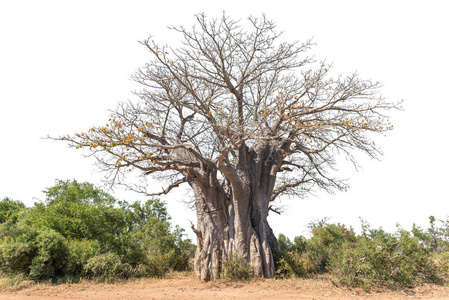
[169, 188]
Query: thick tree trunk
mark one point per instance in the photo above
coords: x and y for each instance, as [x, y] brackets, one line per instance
[232, 220]
[224, 232]
[214, 216]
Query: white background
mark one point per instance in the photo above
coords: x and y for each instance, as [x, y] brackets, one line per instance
[64, 64]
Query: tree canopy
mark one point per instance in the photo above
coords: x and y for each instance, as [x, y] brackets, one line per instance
[227, 87]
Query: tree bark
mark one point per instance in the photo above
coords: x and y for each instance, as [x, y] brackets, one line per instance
[232, 217]
[214, 223]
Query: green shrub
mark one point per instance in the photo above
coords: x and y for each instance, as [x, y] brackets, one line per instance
[51, 255]
[159, 262]
[383, 259]
[108, 266]
[237, 268]
[17, 248]
[299, 244]
[10, 209]
[80, 251]
[373, 259]
[78, 211]
[326, 240]
[79, 230]
[296, 264]
[302, 257]
[37, 253]
[16, 256]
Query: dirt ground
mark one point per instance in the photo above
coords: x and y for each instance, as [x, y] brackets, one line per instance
[188, 287]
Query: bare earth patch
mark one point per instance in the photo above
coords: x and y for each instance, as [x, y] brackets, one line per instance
[188, 287]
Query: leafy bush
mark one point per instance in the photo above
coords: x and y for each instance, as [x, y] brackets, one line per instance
[80, 230]
[384, 259]
[108, 266]
[10, 209]
[51, 255]
[237, 268]
[296, 264]
[293, 259]
[374, 258]
[299, 244]
[327, 239]
[75, 210]
[302, 257]
[16, 256]
[36, 253]
[80, 251]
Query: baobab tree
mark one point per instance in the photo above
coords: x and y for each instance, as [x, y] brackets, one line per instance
[242, 118]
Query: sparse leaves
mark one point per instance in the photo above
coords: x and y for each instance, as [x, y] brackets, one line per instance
[227, 87]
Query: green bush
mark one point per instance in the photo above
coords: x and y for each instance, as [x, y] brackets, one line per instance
[385, 260]
[302, 257]
[108, 266]
[79, 230]
[75, 210]
[10, 209]
[159, 262]
[37, 253]
[373, 259]
[299, 244]
[292, 259]
[296, 264]
[16, 256]
[80, 251]
[51, 256]
[326, 241]
[237, 268]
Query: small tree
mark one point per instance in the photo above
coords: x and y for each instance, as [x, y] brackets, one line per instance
[242, 118]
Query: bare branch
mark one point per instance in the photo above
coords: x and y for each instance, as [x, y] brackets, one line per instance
[169, 188]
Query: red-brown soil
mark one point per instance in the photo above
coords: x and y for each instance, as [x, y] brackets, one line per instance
[188, 287]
